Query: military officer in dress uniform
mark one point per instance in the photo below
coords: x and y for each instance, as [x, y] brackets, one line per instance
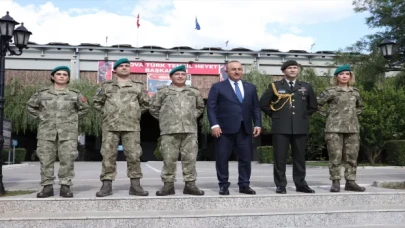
[289, 102]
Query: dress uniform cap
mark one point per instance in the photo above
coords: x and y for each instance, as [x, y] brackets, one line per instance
[342, 68]
[178, 68]
[120, 61]
[289, 63]
[64, 68]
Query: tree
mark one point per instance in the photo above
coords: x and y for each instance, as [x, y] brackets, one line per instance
[389, 15]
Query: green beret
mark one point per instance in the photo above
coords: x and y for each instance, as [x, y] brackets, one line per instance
[341, 69]
[64, 68]
[120, 61]
[178, 68]
[289, 63]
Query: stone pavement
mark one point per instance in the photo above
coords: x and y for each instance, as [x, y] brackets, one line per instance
[86, 183]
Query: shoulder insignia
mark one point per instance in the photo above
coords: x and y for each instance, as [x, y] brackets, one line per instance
[74, 90]
[107, 82]
[134, 81]
[162, 87]
[43, 89]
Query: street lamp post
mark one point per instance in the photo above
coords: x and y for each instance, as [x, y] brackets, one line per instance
[21, 37]
[387, 51]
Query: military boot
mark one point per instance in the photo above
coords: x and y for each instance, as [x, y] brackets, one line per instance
[136, 188]
[191, 189]
[335, 186]
[352, 186]
[47, 191]
[106, 189]
[65, 191]
[167, 189]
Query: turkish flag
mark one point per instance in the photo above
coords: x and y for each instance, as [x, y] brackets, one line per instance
[137, 21]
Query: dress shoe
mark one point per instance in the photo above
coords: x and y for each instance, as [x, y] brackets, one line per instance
[247, 190]
[305, 189]
[223, 191]
[281, 190]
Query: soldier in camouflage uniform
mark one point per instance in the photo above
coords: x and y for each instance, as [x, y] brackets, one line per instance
[342, 127]
[177, 108]
[58, 109]
[121, 102]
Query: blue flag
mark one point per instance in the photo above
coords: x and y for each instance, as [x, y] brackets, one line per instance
[197, 26]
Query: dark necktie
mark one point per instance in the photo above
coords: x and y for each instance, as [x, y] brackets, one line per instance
[291, 85]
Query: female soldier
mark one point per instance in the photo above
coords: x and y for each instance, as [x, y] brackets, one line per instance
[342, 127]
[58, 109]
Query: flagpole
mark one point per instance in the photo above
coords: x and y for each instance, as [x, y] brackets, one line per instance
[137, 36]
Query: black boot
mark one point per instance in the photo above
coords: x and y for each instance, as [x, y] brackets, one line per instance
[65, 191]
[191, 189]
[167, 189]
[335, 186]
[47, 191]
[136, 188]
[352, 186]
[106, 189]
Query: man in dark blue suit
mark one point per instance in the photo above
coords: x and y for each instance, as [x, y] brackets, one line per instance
[232, 107]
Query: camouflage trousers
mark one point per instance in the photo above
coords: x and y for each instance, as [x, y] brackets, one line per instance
[170, 146]
[344, 145]
[67, 153]
[131, 141]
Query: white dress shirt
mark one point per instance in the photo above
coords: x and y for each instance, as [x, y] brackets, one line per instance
[288, 82]
[240, 85]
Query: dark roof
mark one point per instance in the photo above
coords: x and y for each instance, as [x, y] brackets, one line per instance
[325, 52]
[269, 50]
[297, 51]
[90, 44]
[122, 45]
[240, 49]
[212, 49]
[59, 43]
[153, 47]
[182, 48]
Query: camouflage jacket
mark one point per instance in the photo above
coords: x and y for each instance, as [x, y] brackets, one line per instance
[121, 107]
[58, 112]
[343, 108]
[177, 109]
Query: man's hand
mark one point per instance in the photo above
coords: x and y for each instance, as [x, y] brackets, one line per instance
[216, 132]
[256, 131]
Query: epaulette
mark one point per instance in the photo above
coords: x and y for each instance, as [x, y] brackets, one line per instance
[162, 87]
[42, 89]
[108, 81]
[74, 90]
[305, 82]
[354, 88]
[132, 80]
[193, 87]
[330, 88]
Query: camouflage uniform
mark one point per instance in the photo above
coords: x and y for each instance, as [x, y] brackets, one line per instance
[342, 129]
[121, 108]
[58, 112]
[177, 110]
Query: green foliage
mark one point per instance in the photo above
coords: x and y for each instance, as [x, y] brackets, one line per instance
[91, 123]
[381, 119]
[261, 81]
[17, 94]
[265, 154]
[157, 153]
[395, 152]
[205, 124]
[316, 142]
[19, 155]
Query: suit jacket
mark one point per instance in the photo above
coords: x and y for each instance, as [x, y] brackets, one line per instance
[225, 110]
[294, 118]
